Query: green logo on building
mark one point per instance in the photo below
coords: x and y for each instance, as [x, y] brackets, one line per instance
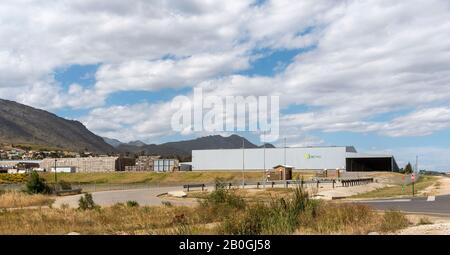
[309, 156]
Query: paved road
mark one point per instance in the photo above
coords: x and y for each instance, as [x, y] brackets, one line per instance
[108, 198]
[432, 205]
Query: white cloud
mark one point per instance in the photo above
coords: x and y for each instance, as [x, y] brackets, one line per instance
[38, 37]
[131, 122]
[371, 58]
[419, 123]
[169, 73]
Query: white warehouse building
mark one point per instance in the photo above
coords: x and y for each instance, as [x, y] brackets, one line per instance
[305, 158]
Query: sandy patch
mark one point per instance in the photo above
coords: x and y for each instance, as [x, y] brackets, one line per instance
[432, 229]
[343, 192]
[441, 187]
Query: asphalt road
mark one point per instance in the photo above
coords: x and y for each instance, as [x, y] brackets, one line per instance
[147, 196]
[432, 205]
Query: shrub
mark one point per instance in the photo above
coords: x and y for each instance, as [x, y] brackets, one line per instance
[86, 202]
[166, 203]
[278, 217]
[425, 221]
[250, 222]
[36, 184]
[392, 221]
[329, 218]
[132, 204]
[13, 178]
[219, 204]
[221, 196]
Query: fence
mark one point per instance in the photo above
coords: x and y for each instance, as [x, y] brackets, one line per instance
[354, 182]
[274, 184]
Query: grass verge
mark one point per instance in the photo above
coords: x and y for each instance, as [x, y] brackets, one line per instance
[20, 199]
[395, 191]
[157, 178]
[221, 212]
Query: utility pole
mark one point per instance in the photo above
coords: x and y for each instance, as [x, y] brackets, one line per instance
[416, 172]
[417, 164]
[284, 171]
[243, 163]
[264, 170]
[56, 178]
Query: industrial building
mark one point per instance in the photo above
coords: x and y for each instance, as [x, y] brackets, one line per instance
[143, 163]
[89, 164]
[165, 165]
[305, 158]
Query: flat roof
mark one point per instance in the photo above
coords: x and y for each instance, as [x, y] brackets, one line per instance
[20, 161]
[306, 147]
[363, 155]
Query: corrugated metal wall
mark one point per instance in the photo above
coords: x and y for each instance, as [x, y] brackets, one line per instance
[315, 158]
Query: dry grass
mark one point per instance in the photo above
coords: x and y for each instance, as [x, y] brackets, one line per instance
[174, 178]
[339, 219]
[249, 195]
[396, 191]
[221, 212]
[111, 220]
[19, 199]
[424, 221]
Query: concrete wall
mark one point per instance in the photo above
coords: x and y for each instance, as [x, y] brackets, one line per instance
[92, 164]
[314, 158]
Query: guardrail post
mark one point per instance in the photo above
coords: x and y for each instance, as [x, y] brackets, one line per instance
[333, 183]
[273, 183]
[318, 183]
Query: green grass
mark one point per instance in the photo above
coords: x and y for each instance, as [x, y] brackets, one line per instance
[155, 178]
[396, 191]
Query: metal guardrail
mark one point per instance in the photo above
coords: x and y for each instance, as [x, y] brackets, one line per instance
[354, 182]
[273, 184]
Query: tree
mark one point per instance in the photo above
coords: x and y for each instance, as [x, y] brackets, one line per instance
[36, 184]
[408, 169]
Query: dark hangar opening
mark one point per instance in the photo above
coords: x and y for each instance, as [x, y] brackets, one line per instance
[371, 164]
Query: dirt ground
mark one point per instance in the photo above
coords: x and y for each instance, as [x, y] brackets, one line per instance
[437, 225]
[343, 192]
[442, 187]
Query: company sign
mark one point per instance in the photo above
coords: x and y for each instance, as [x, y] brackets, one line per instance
[309, 156]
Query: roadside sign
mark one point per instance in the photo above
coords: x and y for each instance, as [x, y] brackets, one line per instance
[413, 177]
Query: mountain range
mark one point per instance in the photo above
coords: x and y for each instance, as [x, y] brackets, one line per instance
[22, 124]
[184, 148]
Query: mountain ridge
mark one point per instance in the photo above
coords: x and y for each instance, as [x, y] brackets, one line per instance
[183, 148]
[22, 124]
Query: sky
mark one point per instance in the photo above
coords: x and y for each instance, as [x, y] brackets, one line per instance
[373, 74]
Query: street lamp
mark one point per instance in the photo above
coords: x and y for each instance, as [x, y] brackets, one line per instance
[56, 178]
[243, 163]
[284, 172]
